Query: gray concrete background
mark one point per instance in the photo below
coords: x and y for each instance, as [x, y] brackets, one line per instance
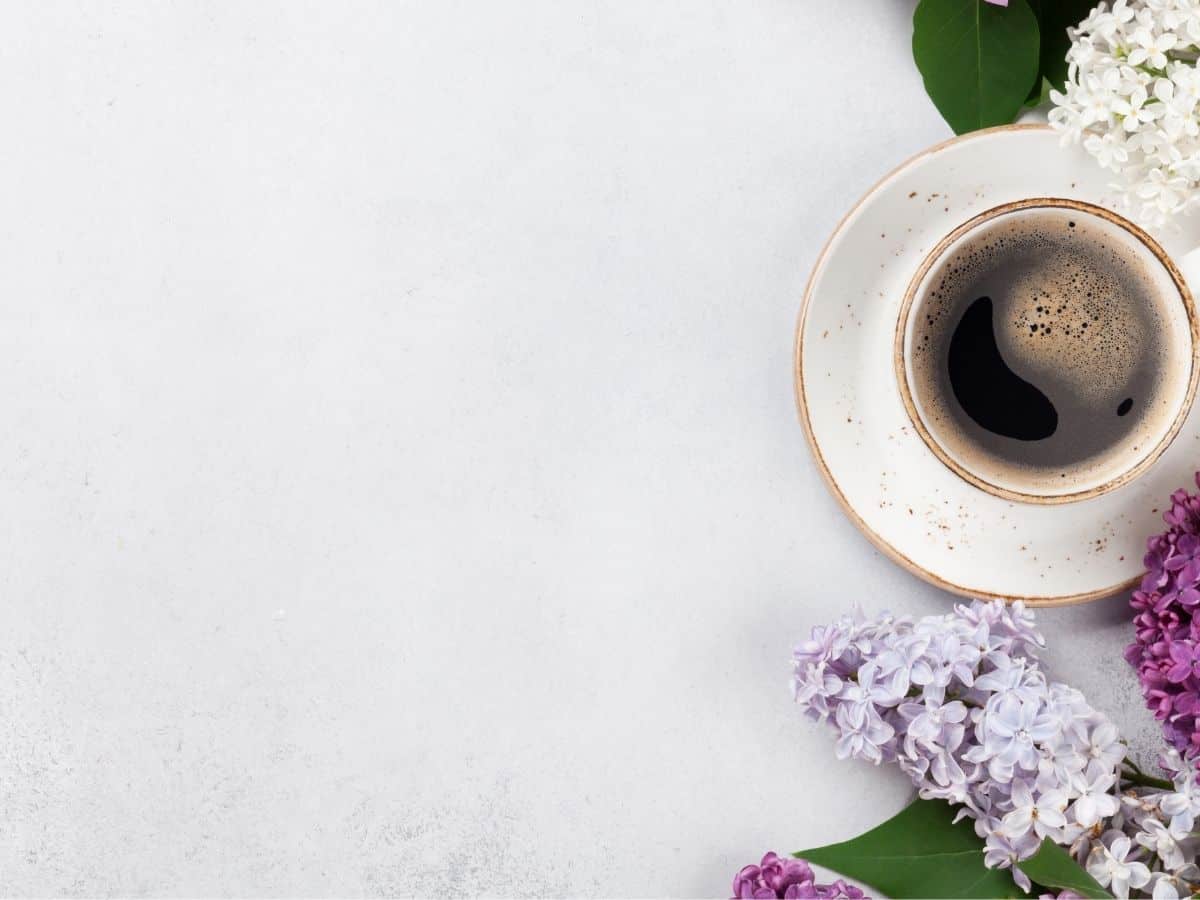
[403, 490]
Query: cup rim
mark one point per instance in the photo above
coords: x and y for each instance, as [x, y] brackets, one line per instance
[901, 362]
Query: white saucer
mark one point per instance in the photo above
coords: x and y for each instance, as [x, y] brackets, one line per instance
[890, 483]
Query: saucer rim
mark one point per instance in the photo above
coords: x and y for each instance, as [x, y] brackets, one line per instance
[805, 422]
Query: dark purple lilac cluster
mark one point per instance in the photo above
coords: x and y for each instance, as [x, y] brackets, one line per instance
[785, 877]
[1166, 647]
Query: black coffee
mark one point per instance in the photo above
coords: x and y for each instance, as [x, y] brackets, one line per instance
[1044, 348]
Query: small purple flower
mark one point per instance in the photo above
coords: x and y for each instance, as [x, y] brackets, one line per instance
[783, 877]
[1003, 852]
[1043, 815]
[979, 725]
[935, 726]
[828, 642]
[1013, 730]
[948, 659]
[864, 733]
[1165, 652]
[1186, 658]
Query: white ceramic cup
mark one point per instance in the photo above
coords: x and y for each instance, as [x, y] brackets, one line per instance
[1168, 282]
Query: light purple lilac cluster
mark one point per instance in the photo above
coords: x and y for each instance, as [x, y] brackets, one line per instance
[959, 702]
[784, 877]
[1166, 646]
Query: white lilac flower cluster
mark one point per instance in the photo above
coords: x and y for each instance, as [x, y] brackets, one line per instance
[1133, 99]
[960, 703]
[1149, 844]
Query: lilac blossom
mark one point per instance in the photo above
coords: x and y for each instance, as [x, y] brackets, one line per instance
[1103, 744]
[1043, 814]
[1016, 730]
[1166, 647]
[978, 724]
[1157, 837]
[782, 876]
[1185, 661]
[1174, 885]
[1113, 865]
[1096, 799]
[1001, 851]
[945, 659]
[959, 702]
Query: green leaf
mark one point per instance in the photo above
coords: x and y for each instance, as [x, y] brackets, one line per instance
[920, 852]
[1039, 95]
[979, 61]
[1053, 867]
[1054, 18]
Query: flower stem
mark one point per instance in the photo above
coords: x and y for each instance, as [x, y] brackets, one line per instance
[1143, 780]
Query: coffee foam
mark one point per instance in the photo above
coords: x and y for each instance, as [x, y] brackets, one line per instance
[1078, 312]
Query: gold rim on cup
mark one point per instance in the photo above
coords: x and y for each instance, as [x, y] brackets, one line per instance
[801, 396]
[935, 255]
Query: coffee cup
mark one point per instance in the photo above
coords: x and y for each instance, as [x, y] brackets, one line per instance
[1046, 350]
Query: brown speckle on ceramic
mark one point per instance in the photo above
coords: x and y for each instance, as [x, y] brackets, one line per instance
[854, 419]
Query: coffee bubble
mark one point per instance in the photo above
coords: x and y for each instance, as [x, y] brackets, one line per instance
[1045, 349]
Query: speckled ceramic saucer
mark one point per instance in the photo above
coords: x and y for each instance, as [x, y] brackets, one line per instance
[912, 506]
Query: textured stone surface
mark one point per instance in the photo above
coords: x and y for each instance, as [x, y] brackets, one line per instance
[403, 488]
